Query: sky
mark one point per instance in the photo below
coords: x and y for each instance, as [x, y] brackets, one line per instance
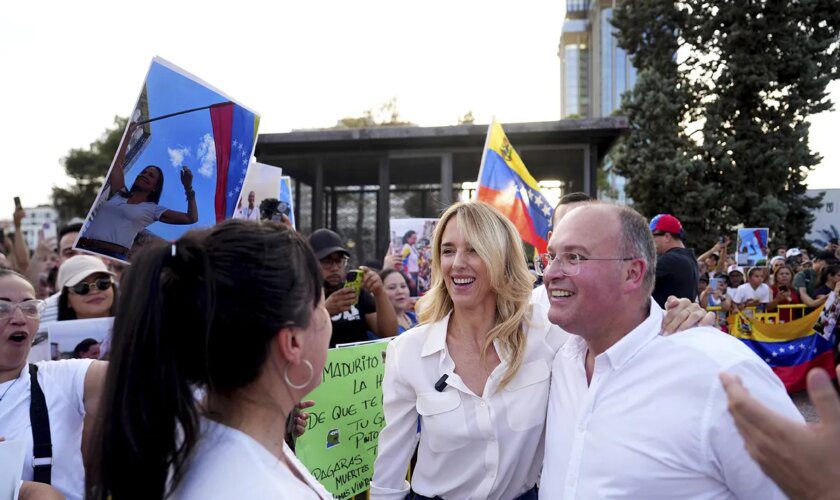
[70, 67]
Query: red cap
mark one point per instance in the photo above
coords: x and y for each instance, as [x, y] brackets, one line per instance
[667, 223]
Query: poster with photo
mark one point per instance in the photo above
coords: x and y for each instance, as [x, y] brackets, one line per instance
[752, 247]
[180, 165]
[68, 334]
[287, 201]
[411, 241]
[260, 193]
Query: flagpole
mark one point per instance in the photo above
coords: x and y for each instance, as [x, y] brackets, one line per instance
[484, 155]
[170, 115]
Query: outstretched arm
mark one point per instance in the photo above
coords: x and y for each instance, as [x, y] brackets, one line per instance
[191, 215]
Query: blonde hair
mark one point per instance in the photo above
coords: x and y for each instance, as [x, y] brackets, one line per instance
[495, 240]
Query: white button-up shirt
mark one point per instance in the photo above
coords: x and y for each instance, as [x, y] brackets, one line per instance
[653, 422]
[470, 447]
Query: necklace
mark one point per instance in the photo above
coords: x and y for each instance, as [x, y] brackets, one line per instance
[9, 388]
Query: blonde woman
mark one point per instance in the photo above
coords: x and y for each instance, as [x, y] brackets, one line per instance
[475, 372]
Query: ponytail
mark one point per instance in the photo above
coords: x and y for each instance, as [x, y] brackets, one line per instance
[199, 314]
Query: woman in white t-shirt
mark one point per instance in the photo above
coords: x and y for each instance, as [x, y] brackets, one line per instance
[71, 391]
[237, 313]
[126, 212]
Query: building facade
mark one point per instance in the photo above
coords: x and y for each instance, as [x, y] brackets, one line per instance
[39, 222]
[595, 72]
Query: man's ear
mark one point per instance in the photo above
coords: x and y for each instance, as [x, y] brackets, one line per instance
[634, 276]
[290, 346]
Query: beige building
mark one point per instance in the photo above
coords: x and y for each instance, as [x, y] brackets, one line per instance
[594, 71]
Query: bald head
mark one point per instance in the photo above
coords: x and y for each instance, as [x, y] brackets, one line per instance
[624, 227]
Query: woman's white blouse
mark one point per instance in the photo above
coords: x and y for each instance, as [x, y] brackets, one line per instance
[469, 446]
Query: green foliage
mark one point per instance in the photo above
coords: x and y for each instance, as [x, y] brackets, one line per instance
[386, 116]
[744, 77]
[467, 119]
[87, 167]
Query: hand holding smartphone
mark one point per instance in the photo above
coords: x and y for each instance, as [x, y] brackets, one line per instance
[354, 280]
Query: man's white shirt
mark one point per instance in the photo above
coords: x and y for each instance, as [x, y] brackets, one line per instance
[653, 422]
[248, 213]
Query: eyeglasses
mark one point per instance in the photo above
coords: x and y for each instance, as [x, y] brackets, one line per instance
[569, 262]
[84, 287]
[336, 262]
[30, 308]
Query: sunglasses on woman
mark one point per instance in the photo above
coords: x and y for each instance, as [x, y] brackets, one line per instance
[84, 287]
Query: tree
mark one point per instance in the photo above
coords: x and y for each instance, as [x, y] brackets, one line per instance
[657, 157]
[743, 77]
[87, 167]
[768, 67]
[386, 116]
[467, 119]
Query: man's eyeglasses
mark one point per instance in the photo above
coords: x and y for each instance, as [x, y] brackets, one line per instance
[30, 308]
[569, 262]
[84, 287]
[341, 261]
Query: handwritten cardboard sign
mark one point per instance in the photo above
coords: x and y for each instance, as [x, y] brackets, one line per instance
[339, 445]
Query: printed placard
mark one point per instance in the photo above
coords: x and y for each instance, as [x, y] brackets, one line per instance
[752, 247]
[180, 165]
[411, 241]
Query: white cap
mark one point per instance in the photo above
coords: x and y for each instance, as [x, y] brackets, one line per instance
[734, 267]
[793, 252]
[77, 268]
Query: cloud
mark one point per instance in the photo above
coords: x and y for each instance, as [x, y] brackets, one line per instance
[177, 155]
[206, 154]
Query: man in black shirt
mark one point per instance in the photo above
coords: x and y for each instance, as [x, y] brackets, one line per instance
[676, 266]
[351, 319]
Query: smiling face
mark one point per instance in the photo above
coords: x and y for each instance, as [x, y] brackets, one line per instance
[148, 180]
[584, 303]
[96, 303]
[17, 332]
[397, 291]
[464, 272]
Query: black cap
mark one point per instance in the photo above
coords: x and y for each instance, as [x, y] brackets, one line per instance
[324, 242]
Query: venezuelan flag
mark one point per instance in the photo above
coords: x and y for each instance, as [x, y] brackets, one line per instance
[505, 183]
[791, 349]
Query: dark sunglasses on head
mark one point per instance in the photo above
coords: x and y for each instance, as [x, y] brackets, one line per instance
[84, 287]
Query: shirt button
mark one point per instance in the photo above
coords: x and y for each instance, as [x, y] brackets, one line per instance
[481, 404]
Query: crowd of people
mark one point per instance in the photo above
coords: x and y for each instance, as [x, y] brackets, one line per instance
[502, 388]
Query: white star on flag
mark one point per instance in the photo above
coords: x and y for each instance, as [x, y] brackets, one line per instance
[774, 354]
[546, 211]
[230, 194]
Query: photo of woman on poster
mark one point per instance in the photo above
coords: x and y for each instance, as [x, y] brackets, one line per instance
[127, 212]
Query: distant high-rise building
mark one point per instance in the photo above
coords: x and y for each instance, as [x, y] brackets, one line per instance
[594, 70]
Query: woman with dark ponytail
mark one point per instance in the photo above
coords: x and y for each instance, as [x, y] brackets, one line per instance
[235, 313]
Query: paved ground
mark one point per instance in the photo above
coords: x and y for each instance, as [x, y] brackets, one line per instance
[805, 407]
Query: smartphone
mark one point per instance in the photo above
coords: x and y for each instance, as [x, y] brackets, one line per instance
[17, 202]
[783, 288]
[722, 239]
[354, 280]
[713, 284]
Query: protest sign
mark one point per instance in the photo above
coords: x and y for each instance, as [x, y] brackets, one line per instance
[68, 334]
[286, 197]
[339, 445]
[180, 165]
[752, 247]
[260, 198]
[411, 240]
[41, 348]
[12, 455]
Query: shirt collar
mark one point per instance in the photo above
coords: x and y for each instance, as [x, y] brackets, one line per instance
[436, 337]
[624, 350]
